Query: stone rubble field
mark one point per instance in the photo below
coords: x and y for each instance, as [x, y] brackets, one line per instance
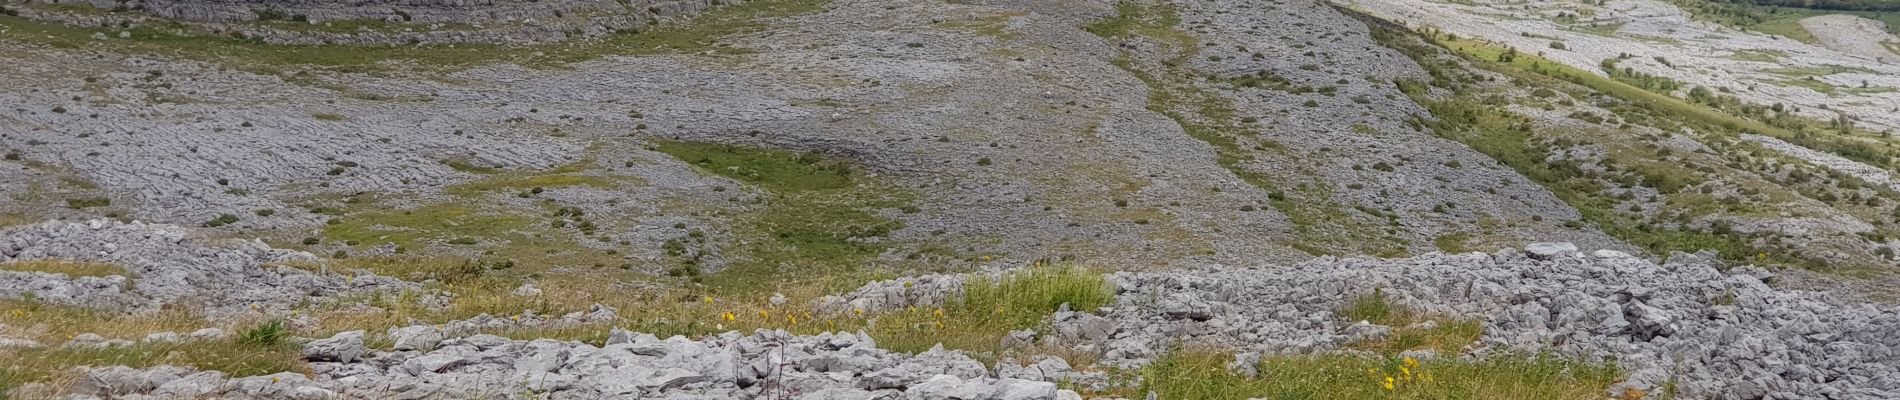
[417, 22]
[1696, 52]
[1716, 332]
[1707, 331]
[1008, 131]
[164, 266]
[1243, 174]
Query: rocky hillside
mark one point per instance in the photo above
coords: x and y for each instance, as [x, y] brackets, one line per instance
[996, 134]
[919, 199]
[371, 23]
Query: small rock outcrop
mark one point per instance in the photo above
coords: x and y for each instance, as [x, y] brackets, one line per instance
[344, 347]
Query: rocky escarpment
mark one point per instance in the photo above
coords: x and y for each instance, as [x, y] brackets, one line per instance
[378, 22]
[164, 266]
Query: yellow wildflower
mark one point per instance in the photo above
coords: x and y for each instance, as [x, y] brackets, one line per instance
[1388, 383]
[1411, 362]
[708, 299]
[763, 314]
[860, 311]
[939, 312]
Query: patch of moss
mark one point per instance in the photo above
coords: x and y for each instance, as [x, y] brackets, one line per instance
[821, 215]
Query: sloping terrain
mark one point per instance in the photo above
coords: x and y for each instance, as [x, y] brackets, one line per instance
[924, 199]
[1660, 39]
[371, 23]
[980, 133]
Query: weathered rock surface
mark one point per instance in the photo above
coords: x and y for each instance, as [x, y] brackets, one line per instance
[1710, 331]
[629, 365]
[918, 94]
[1666, 40]
[166, 266]
[305, 22]
[1719, 331]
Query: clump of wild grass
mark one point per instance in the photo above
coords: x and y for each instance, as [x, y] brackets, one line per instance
[267, 334]
[1443, 335]
[1375, 308]
[990, 309]
[1021, 299]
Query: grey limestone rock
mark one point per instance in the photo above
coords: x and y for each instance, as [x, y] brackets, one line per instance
[344, 347]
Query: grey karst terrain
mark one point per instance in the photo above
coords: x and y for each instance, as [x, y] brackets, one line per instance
[975, 152]
[1686, 324]
[375, 22]
[920, 199]
[163, 267]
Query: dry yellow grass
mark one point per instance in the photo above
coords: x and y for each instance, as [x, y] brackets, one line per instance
[70, 268]
[54, 324]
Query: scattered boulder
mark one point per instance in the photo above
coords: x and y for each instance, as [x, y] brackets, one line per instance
[1550, 251]
[416, 337]
[527, 290]
[343, 347]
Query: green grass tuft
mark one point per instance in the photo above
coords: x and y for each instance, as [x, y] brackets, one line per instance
[266, 334]
[1375, 308]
